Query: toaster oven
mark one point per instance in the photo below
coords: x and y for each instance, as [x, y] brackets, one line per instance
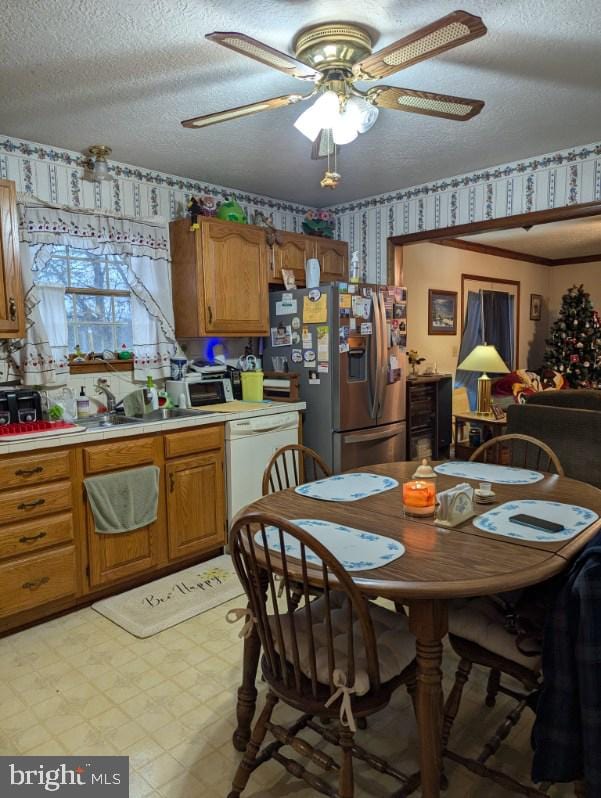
[200, 390]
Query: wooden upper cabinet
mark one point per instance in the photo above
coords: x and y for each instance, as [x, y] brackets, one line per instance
[220, 277]
[333, 259]
[291, 252]
[294, 249]
[12, 310]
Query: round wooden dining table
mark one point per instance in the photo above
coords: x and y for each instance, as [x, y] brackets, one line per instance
[439, 564]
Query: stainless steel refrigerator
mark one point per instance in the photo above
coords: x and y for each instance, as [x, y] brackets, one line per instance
[347, 343]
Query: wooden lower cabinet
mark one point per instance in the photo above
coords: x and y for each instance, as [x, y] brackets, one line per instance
[37, 579]
[195, 504]
[113, 557]
[52, 558]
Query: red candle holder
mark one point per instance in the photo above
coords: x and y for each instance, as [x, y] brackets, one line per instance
[419, 497]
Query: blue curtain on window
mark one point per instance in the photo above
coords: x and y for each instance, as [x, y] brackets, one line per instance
[472, 336]
[489, 319]
[497, 312]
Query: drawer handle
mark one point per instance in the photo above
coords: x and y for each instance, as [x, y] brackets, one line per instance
[30, 505]
[39, 536]
[28, 472]
[36, 583]
[12, 308]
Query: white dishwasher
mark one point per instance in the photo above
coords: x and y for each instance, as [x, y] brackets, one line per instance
[249, 445]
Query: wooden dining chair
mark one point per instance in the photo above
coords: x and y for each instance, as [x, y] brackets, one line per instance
[337, 655]
[480, 634]
[522, 451]
[487, 631]
[293, 465]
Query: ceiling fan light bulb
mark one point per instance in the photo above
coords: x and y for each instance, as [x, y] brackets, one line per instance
[345, 128]
[309, 124]
[327, 108]
[367, 113]
[343, 134]
[322, 114]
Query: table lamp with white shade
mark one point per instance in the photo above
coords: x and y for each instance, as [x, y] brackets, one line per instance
[484, 358]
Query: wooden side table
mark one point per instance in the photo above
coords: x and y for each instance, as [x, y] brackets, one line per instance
[494, 426]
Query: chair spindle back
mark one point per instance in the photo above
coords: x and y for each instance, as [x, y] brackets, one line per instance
[522, 451]
[298, 642]
[293, 465]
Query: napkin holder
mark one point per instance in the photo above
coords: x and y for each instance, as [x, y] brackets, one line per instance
[457, 506]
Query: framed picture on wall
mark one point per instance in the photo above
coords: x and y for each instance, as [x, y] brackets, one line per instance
[442, 312]
[536, 304]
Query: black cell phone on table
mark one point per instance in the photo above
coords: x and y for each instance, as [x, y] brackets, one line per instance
[536, 523]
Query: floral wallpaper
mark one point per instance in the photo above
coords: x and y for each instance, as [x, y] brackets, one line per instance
[59, 176]
[566, 177]
[548, 181]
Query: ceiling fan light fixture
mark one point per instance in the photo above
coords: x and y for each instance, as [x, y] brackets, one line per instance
[345, 127]
[367, 113]
[322, 114]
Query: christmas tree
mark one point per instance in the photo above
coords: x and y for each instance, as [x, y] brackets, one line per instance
[574, 347]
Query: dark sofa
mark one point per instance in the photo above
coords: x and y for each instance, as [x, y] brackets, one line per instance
[569, 421]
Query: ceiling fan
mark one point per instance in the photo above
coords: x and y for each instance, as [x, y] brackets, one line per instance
[336, 56]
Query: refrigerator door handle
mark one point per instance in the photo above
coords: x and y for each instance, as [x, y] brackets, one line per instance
[382, 364]
[373, 411]
[360, 437]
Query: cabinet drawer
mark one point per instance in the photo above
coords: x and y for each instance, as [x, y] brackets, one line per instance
[19, 539]
[37, 579]
[112, 456]
[196, 440]
[19, 505]
[33, 469]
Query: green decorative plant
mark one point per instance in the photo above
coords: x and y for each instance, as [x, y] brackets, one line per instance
[56, 413]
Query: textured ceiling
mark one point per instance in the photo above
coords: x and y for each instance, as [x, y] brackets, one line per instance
[568, 239]
[125, 72]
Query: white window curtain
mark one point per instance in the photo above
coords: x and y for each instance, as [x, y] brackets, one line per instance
[143, 244]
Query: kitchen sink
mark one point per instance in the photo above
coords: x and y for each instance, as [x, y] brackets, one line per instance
[105, 420]
[164, 414]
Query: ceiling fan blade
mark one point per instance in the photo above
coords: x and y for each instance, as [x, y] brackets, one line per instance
[424, 102]
[243, 110]
[265, 54]
[323, 145]
[450, 31]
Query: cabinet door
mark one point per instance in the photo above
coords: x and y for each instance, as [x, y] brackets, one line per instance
[195, 504]
[12, 315]
[291, 253]
[117, 556]
[333, 259]
[234, 273]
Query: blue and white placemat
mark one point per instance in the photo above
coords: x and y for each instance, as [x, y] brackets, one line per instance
[347, 487]
[488, 472]
[355, 549]
[574, 519]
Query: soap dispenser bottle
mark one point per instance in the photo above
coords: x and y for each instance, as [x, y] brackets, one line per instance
[83, 404]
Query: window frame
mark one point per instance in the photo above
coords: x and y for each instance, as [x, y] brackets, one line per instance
[68, 255]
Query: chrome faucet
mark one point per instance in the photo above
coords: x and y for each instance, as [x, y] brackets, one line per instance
[111, 399]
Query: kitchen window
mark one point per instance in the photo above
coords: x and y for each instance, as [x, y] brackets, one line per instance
[97, 297]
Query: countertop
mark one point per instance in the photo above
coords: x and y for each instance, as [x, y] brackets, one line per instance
[28, 443]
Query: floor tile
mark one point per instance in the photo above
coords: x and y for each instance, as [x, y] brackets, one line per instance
[79, 684]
